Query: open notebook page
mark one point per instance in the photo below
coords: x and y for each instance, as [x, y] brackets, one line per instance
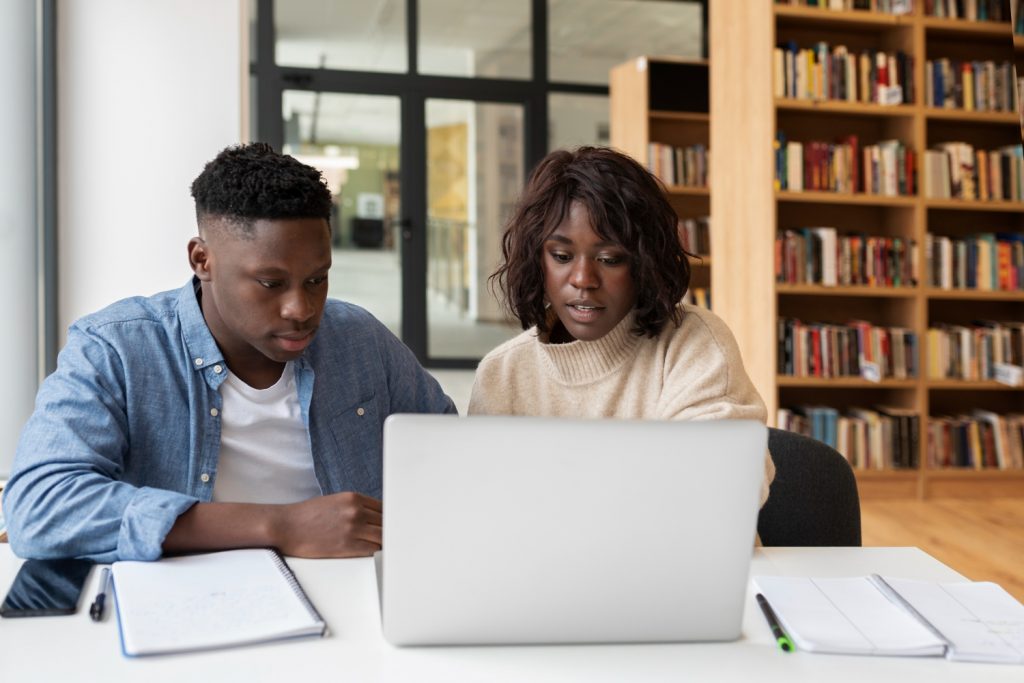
[980, 620]
[845, 616]
[213, 600]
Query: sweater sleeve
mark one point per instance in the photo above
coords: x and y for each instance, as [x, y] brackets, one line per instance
[704, 379]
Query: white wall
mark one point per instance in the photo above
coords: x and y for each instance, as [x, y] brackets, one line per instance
[18, 345]
[147, 93]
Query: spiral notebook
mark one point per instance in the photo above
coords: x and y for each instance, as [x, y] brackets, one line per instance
[209, 601]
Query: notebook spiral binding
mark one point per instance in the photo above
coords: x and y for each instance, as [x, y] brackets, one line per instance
[293, 582]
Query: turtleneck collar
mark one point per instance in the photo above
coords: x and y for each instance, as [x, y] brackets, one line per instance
[582, 362]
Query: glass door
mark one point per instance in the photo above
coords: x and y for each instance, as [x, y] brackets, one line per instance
[355, 141]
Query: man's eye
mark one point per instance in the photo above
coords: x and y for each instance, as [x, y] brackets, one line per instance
[318, 280]
[269, 284]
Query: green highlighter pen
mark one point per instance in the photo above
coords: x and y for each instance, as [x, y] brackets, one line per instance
[785, 644]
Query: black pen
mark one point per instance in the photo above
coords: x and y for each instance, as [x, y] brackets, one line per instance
[96, 609]
[785, 644]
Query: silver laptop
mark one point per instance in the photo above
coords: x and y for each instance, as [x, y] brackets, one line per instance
[547, 530]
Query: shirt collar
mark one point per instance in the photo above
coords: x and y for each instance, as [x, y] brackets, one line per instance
[202, 348]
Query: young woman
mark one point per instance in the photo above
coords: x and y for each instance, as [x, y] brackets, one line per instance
[594, 271]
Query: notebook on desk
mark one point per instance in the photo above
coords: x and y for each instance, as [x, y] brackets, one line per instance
[533, 530]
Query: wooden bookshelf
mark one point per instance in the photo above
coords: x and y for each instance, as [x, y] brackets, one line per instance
[652, 101]
[749, 212]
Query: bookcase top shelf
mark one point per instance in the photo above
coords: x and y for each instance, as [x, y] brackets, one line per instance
[974, 294]
[843, 383]
[841, 107]
[862, 290]
[818, 197]
[1003, 117]
[822, 16]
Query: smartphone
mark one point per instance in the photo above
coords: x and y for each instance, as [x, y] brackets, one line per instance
[46, 588]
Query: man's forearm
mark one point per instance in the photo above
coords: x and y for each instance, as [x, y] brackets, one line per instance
[222, 526]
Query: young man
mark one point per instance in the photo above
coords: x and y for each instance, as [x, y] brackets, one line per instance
[244, 409]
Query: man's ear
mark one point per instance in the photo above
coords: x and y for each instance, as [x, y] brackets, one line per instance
[199, 258]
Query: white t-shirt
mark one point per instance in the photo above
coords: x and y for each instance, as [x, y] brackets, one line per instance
[265, 455]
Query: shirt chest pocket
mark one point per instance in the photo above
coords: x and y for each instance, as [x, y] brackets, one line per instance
[352, 459]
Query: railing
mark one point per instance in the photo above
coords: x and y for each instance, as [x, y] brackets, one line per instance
[447, 261]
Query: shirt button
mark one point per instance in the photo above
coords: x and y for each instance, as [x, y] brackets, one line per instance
[199, 361]
[218, 369]
[360, 412]
[204, 477]
[214, 412]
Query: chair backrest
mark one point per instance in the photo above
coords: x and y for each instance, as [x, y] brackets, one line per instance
[813, 500]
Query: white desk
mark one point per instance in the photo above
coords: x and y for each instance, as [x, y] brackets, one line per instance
[345, 592]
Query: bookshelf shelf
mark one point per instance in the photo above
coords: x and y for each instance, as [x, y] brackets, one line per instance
[974, 205]
[746, 116]
[816, 197]
[973, 295]
[864, 290]
[967, 385]
[846, 18]
[963, 27]
[842, 107]
[690, 191]
[658, 103]
[1001, 117]
[843, 383]
[694, 117]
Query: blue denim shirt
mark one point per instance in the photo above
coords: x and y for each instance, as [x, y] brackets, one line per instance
[126, 432]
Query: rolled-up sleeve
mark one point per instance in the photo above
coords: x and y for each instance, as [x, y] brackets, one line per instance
[65, 497]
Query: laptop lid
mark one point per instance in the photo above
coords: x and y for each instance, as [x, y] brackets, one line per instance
[548, 530]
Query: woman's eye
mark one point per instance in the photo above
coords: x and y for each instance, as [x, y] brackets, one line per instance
[561, 258]
[610, 260]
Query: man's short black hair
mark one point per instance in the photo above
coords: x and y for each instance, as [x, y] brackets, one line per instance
[248, 182]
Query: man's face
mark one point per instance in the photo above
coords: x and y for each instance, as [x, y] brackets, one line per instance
[586, 278]
[263, 292]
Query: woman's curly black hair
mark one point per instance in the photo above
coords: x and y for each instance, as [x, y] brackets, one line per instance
[248, 182]
[627, 205]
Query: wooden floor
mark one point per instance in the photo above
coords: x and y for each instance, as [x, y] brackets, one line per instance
[981, 539]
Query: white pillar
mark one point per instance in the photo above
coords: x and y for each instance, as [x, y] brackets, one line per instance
[18, 343]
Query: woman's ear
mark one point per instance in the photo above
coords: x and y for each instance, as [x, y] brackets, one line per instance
[199, 258]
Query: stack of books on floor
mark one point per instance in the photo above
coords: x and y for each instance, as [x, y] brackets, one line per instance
[981, 440]
[884, 437]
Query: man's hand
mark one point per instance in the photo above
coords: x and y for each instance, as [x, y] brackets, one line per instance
[339, 525]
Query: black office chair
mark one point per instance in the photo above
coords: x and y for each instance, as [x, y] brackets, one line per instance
[813, 500]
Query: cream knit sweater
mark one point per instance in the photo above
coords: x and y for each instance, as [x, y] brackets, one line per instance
[690, 372]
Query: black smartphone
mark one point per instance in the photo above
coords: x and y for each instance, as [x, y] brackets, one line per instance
[45, 588]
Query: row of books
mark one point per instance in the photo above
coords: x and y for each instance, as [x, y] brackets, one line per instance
[857, 349]
[971, 86]
[695, 235]
[986, 262]
[887, 168]
[974, 352]
[981, 440]
[835, 73]
[822, 256]
[882, 437]
[698, 296]
[956, 170]
[883, 6]
[687, 166]
[972, 10]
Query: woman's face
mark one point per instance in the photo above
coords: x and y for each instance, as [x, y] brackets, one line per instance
[587, 279]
